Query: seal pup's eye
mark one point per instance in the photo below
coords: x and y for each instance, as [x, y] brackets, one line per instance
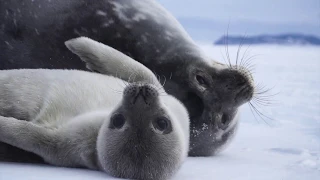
[201, 80]
[117, 121]
[162, 124]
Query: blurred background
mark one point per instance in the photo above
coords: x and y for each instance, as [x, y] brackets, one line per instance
[207, 20]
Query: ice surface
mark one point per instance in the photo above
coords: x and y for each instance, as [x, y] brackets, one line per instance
[286, 148]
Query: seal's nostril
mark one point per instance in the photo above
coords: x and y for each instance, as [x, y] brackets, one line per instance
[144, 91]
[225, 121]
[241, 83]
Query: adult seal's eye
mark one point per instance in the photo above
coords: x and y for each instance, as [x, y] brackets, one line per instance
[201, 80]
[163, 125]
[117, 121]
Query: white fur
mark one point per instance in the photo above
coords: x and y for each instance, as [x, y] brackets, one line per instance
[109, 61]
[65, 110]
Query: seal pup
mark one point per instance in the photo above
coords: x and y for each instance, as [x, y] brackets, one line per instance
[32, 35]
[76, 118]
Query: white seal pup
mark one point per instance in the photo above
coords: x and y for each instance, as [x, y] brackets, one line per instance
[75, 118]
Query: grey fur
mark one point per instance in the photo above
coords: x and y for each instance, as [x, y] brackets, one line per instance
[107, 60]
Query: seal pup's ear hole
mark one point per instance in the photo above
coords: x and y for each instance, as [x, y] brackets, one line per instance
[117, 121]
[163, 125]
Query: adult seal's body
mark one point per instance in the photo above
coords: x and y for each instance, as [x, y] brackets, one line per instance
[129, 130]
[32, 35]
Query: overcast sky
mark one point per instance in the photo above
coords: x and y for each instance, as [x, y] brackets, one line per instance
[209, 19]
[271, 11]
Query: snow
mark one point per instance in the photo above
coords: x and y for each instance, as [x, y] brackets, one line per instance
[286, 148]
[101, 13]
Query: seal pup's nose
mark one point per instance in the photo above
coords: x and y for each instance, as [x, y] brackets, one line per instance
[140, 94]
[145, 93]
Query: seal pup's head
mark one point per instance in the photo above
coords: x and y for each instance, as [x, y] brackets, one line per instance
[146, 136]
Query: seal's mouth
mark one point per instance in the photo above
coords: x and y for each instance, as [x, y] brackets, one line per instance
[225, 120]
[196, 108]
[210, 131]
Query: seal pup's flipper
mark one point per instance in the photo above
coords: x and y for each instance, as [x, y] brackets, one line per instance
[107, 60]
[25, 135]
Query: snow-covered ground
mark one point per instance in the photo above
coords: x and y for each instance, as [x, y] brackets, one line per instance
[285, 148]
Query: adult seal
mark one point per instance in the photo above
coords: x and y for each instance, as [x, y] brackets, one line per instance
[32, 35]
[134, 131]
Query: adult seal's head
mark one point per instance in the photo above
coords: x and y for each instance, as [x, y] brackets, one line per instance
[218, 92]
[143, 138]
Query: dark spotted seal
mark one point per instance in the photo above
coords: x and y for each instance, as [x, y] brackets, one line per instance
[32, 35]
